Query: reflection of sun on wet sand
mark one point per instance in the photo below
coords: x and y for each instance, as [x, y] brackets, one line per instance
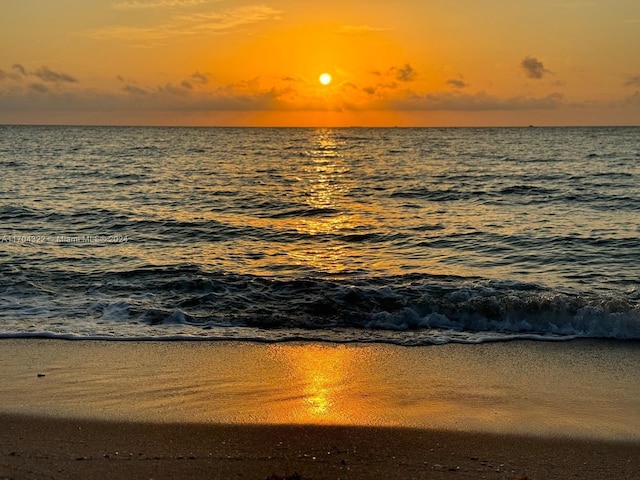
[323, 378]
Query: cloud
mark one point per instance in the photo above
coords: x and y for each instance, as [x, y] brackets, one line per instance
[228, 19]
[175, 90]
[533, 68]
[357, 29]
[440, 101]
[6, 76]
[195, 94]
[632, 81]
[136, 34]
[39, 87]
[146, 4]
[133, 90]
[43, 73]
[243, 96]
[405, 74]
[20, 69]
[573, 4]
[220, 22]
[389, 80]
[457, 83]
[195, 79]
[201, 78]
[633, 100]
[47, 75]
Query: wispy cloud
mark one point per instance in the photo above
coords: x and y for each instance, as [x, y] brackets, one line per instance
[533, 68]
[632, 81]
[388, 82]
[8, 76]
[47, 75]
[39, 88]
[185, 88]
[475, 102]
[195, 79]
[457, 83]
[405, 74]
[220, 22]
[357, 29]
[44, 73]
[38, 97]
[147, 4]
[633, 100]
[240, 96]
[227, 19]
[20, 69]
[576, 4]
[138, 35]
[132, 89]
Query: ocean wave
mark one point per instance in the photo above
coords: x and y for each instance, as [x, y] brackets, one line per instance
[399, 309]
[400, 304]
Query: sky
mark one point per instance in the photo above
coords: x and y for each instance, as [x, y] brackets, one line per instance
[258, 63]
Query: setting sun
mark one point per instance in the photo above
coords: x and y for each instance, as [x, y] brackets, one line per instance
[325, 79]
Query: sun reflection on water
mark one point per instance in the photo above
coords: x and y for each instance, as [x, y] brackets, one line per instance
[313, 222]
[324, 184]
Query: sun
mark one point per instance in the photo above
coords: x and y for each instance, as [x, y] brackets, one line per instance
[325, 79]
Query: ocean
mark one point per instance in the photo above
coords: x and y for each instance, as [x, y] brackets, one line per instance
[404, 236]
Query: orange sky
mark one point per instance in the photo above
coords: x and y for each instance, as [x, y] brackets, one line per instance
[406, 62]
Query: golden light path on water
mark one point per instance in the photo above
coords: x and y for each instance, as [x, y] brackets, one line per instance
[318, 179]
[325, 190]
[328, 177]
[322, 178]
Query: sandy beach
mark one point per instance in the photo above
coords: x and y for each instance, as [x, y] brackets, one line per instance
[534, 410]
[35, 448]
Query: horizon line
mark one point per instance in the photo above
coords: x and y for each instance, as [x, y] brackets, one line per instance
[106, 125]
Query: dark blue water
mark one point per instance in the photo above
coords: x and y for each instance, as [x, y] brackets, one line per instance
[409, 236]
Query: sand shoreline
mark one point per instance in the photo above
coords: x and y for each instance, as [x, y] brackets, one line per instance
[528, 410]
[41, 447]
[584, 389]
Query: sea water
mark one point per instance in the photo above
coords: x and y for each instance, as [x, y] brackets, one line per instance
[406, 236]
